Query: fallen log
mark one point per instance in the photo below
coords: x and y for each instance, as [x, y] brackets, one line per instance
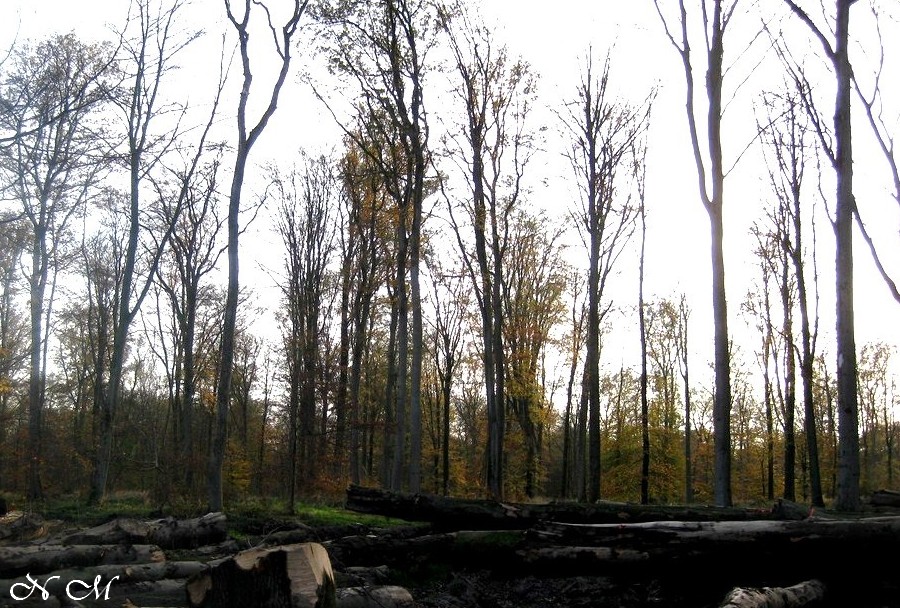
[295, 576]
[802, 549]
[885, 498]
[795, 596]
[86, 594]
[114, 576]
[755, 549]
[168, 533]
[361, 576]
[41, 559]
[386, 596]
[710, 534]
[469, 514]
[508, 553]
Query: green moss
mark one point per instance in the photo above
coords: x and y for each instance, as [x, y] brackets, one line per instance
[324, 515]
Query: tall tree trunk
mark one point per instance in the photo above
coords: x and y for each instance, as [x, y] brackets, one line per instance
[847, 498]
[580, 487]
[36, 377]
[645, 408]
[400, 389]
[790, 392]
[809, 412]
[123, 318]
[226, 353]
[722, 405]
[713, 202]
[246, 138]
[683, 316]
[415, 372]
[847, 474]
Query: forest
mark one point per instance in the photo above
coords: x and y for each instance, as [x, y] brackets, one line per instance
[437, 330]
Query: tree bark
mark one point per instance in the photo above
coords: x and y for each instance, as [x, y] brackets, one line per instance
[169, 533]
[848, 409]
[458, 513]
[40, 559]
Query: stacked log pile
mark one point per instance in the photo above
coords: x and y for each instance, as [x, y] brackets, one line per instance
[123, 559]
[124, 563]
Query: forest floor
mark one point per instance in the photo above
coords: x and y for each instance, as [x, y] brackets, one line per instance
[437, 581]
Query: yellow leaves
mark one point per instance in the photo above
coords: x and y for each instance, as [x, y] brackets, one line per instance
[238, 469]
[6, 387]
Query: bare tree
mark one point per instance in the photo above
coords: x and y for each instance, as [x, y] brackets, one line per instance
[305, 195]
[603, 133]
[684, 315]
[492, 150]
[14, 237]
[149, 47]
[841, 157]
[449, 315]
[50, 93]
[711, 178]
[247, 136]
[194, 251]
[788, 139]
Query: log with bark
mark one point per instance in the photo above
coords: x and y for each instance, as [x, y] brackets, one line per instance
[41, 559]
[885, 498]
[386, 596]
[469, 514]
[114, 575]
[168, 533]
[757, 552]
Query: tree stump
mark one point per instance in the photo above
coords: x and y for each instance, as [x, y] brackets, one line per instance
[802, 594]
[290, 576]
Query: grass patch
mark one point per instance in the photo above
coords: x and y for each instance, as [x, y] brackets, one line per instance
[244, 517]
[75, 510]
[326, 515]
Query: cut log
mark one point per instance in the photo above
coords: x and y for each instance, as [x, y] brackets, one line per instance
[802, 594]
[387, 596]
[41, 559]
[292, 576]
[885, 498]
[169, 533]
[469, 514]
[18, 527]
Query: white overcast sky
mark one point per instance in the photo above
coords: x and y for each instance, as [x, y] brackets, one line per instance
[554, 38]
